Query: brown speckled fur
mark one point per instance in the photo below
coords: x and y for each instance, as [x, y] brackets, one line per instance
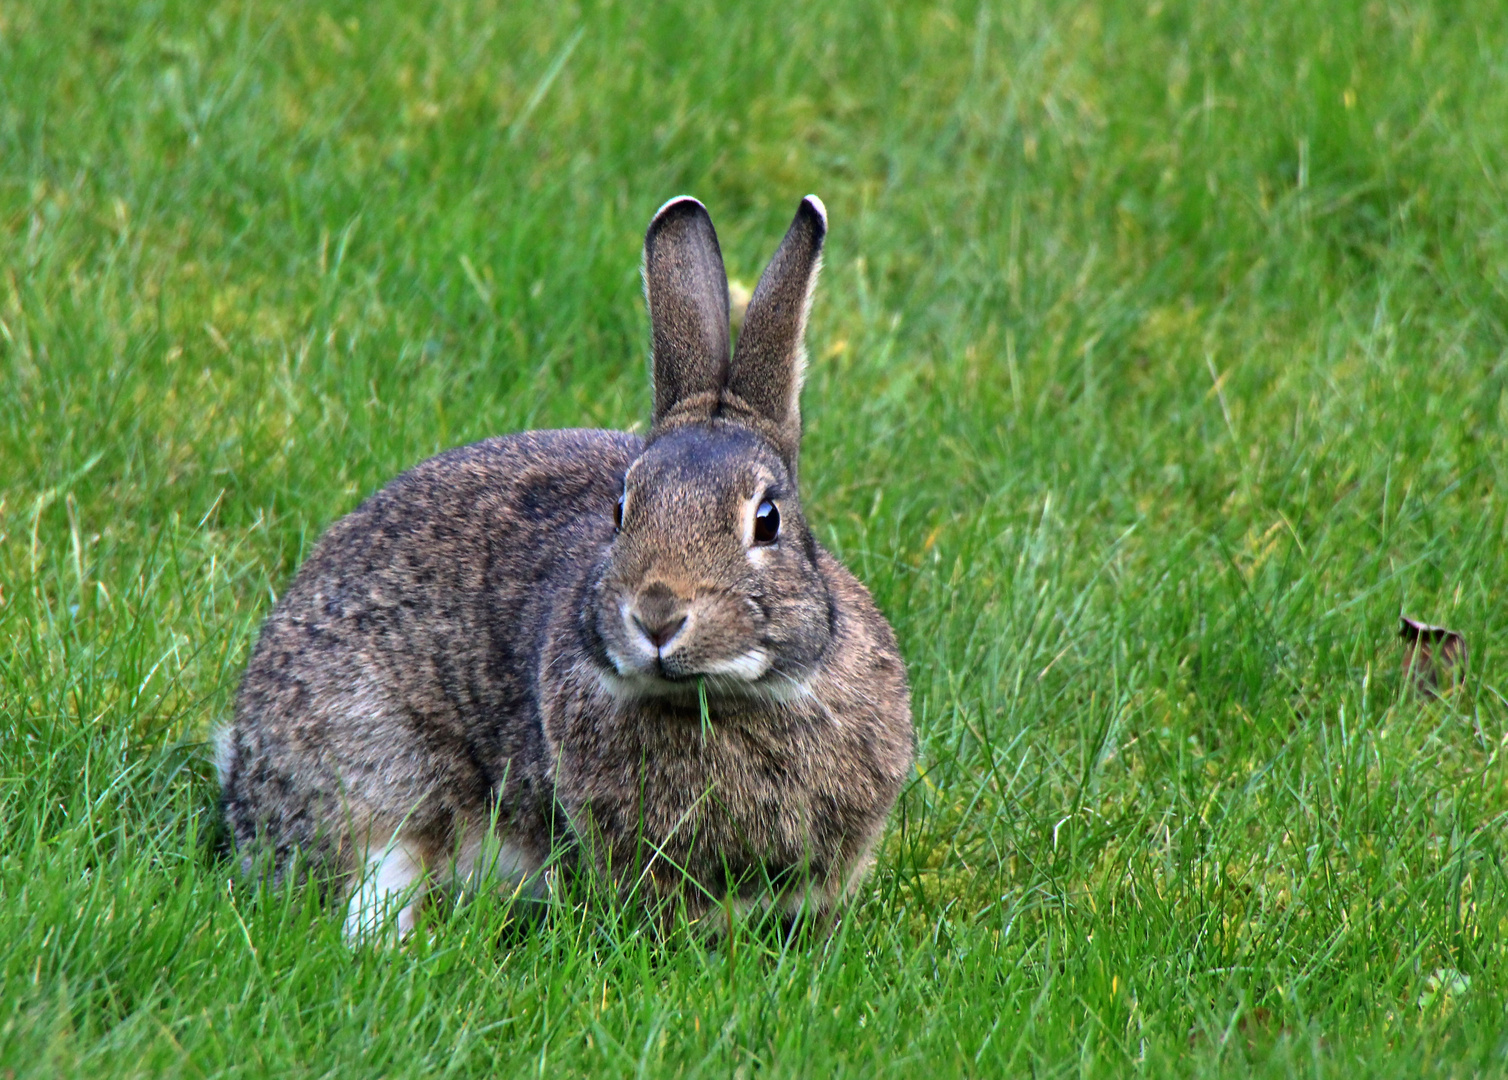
[467, 644]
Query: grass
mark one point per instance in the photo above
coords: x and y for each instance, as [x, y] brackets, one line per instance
[1160, 364]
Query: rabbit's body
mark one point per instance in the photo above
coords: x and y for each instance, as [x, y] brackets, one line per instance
[478, 669]
[395, 686]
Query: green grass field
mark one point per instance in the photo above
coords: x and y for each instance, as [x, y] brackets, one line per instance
[1159, 365]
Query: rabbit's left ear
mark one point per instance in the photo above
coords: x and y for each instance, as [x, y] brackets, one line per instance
[768, 364]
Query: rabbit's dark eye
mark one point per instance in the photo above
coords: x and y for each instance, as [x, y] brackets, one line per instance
[618, 515]
[766, 523]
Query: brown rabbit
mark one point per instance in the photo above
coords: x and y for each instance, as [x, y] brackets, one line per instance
[499, 659]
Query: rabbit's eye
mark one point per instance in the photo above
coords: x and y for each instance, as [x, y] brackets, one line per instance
[618, 515]
[766, 523]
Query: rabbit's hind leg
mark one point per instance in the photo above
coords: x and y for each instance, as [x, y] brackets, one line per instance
[386, 900]
[487, 861]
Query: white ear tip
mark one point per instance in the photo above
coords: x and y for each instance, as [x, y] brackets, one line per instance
[817, 205]
[676, 201]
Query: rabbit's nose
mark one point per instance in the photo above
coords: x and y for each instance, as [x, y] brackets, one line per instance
[660, 630]
[659, 614]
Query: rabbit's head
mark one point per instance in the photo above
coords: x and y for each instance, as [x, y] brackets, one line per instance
[712, 573]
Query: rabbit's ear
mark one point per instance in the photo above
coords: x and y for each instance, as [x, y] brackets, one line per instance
[687, 292]
[771, 355]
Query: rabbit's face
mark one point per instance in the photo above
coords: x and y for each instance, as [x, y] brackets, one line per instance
[712, 572]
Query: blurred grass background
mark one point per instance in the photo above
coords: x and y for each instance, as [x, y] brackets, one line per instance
[1158, 366]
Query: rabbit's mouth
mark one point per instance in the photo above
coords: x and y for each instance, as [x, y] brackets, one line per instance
[678, 667]
[632, 686]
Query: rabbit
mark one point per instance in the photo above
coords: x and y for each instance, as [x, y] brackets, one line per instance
[587, 651]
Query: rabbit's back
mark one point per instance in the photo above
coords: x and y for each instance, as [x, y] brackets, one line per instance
[393, 684]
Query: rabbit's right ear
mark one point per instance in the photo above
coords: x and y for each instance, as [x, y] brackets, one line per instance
[767, 367]
[686, 289]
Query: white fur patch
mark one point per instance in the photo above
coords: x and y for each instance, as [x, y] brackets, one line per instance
[749, 665]
[391, 888]
[225, 752]
[668, 203]
[819, 206]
